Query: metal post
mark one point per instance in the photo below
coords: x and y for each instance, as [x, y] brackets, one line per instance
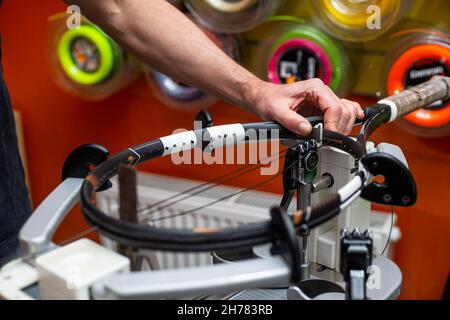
[304, 201]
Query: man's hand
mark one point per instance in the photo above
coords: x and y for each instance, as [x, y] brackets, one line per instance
[282, 102]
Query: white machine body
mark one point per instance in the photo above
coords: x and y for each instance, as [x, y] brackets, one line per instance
[324, 242]
[68, 272]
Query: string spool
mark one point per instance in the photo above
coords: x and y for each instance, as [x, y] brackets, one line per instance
[232, 16]
[416, 59]
[87, 63]
[359, 20]
[296, 52]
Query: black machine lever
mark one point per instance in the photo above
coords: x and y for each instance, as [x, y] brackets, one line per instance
[82, 160]
[205, 118]
[356, 257]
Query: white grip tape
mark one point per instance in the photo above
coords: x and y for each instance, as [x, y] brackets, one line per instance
[178, 142]
[227, 135]
[350, 188]
[350, 201]
[393, 106]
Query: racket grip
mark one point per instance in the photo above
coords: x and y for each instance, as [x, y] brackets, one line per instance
[420, 96]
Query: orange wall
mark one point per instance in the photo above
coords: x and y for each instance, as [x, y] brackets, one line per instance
[55, 123]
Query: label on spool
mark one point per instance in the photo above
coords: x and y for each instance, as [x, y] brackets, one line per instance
[305, 53]
[423, 70]
[85, 55]
[295, 51]
[416, 65]
[297, 60]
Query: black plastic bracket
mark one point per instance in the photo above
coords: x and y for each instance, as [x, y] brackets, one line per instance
[398, 187]
[307, 157]
[356, 257]
[82, 160]
[205, 118]
[287, 243]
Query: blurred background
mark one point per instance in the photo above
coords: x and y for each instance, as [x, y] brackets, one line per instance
[126, 103]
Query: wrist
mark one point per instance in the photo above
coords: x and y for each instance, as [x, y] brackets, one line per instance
[254, 94]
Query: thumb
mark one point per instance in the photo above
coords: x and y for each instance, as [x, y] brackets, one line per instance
[294, 122]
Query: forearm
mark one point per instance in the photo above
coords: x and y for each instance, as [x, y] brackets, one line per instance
[168, 41]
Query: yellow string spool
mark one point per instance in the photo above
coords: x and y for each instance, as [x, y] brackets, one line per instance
[357, 20]
[86, 63]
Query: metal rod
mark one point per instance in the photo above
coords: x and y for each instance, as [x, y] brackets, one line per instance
[304, 201]
[128, 208]
[324, 182]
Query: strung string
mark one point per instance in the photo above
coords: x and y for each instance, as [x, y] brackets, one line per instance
[390, 232]
[206, 186]
[88, 231]
[78, 236]
[209, 188]
[95, 228]
[193, 188]
[225, 197]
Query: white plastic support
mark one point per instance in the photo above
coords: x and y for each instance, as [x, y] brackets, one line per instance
[37, 233]
[14, 277]
[68, 272]
[324, 242]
